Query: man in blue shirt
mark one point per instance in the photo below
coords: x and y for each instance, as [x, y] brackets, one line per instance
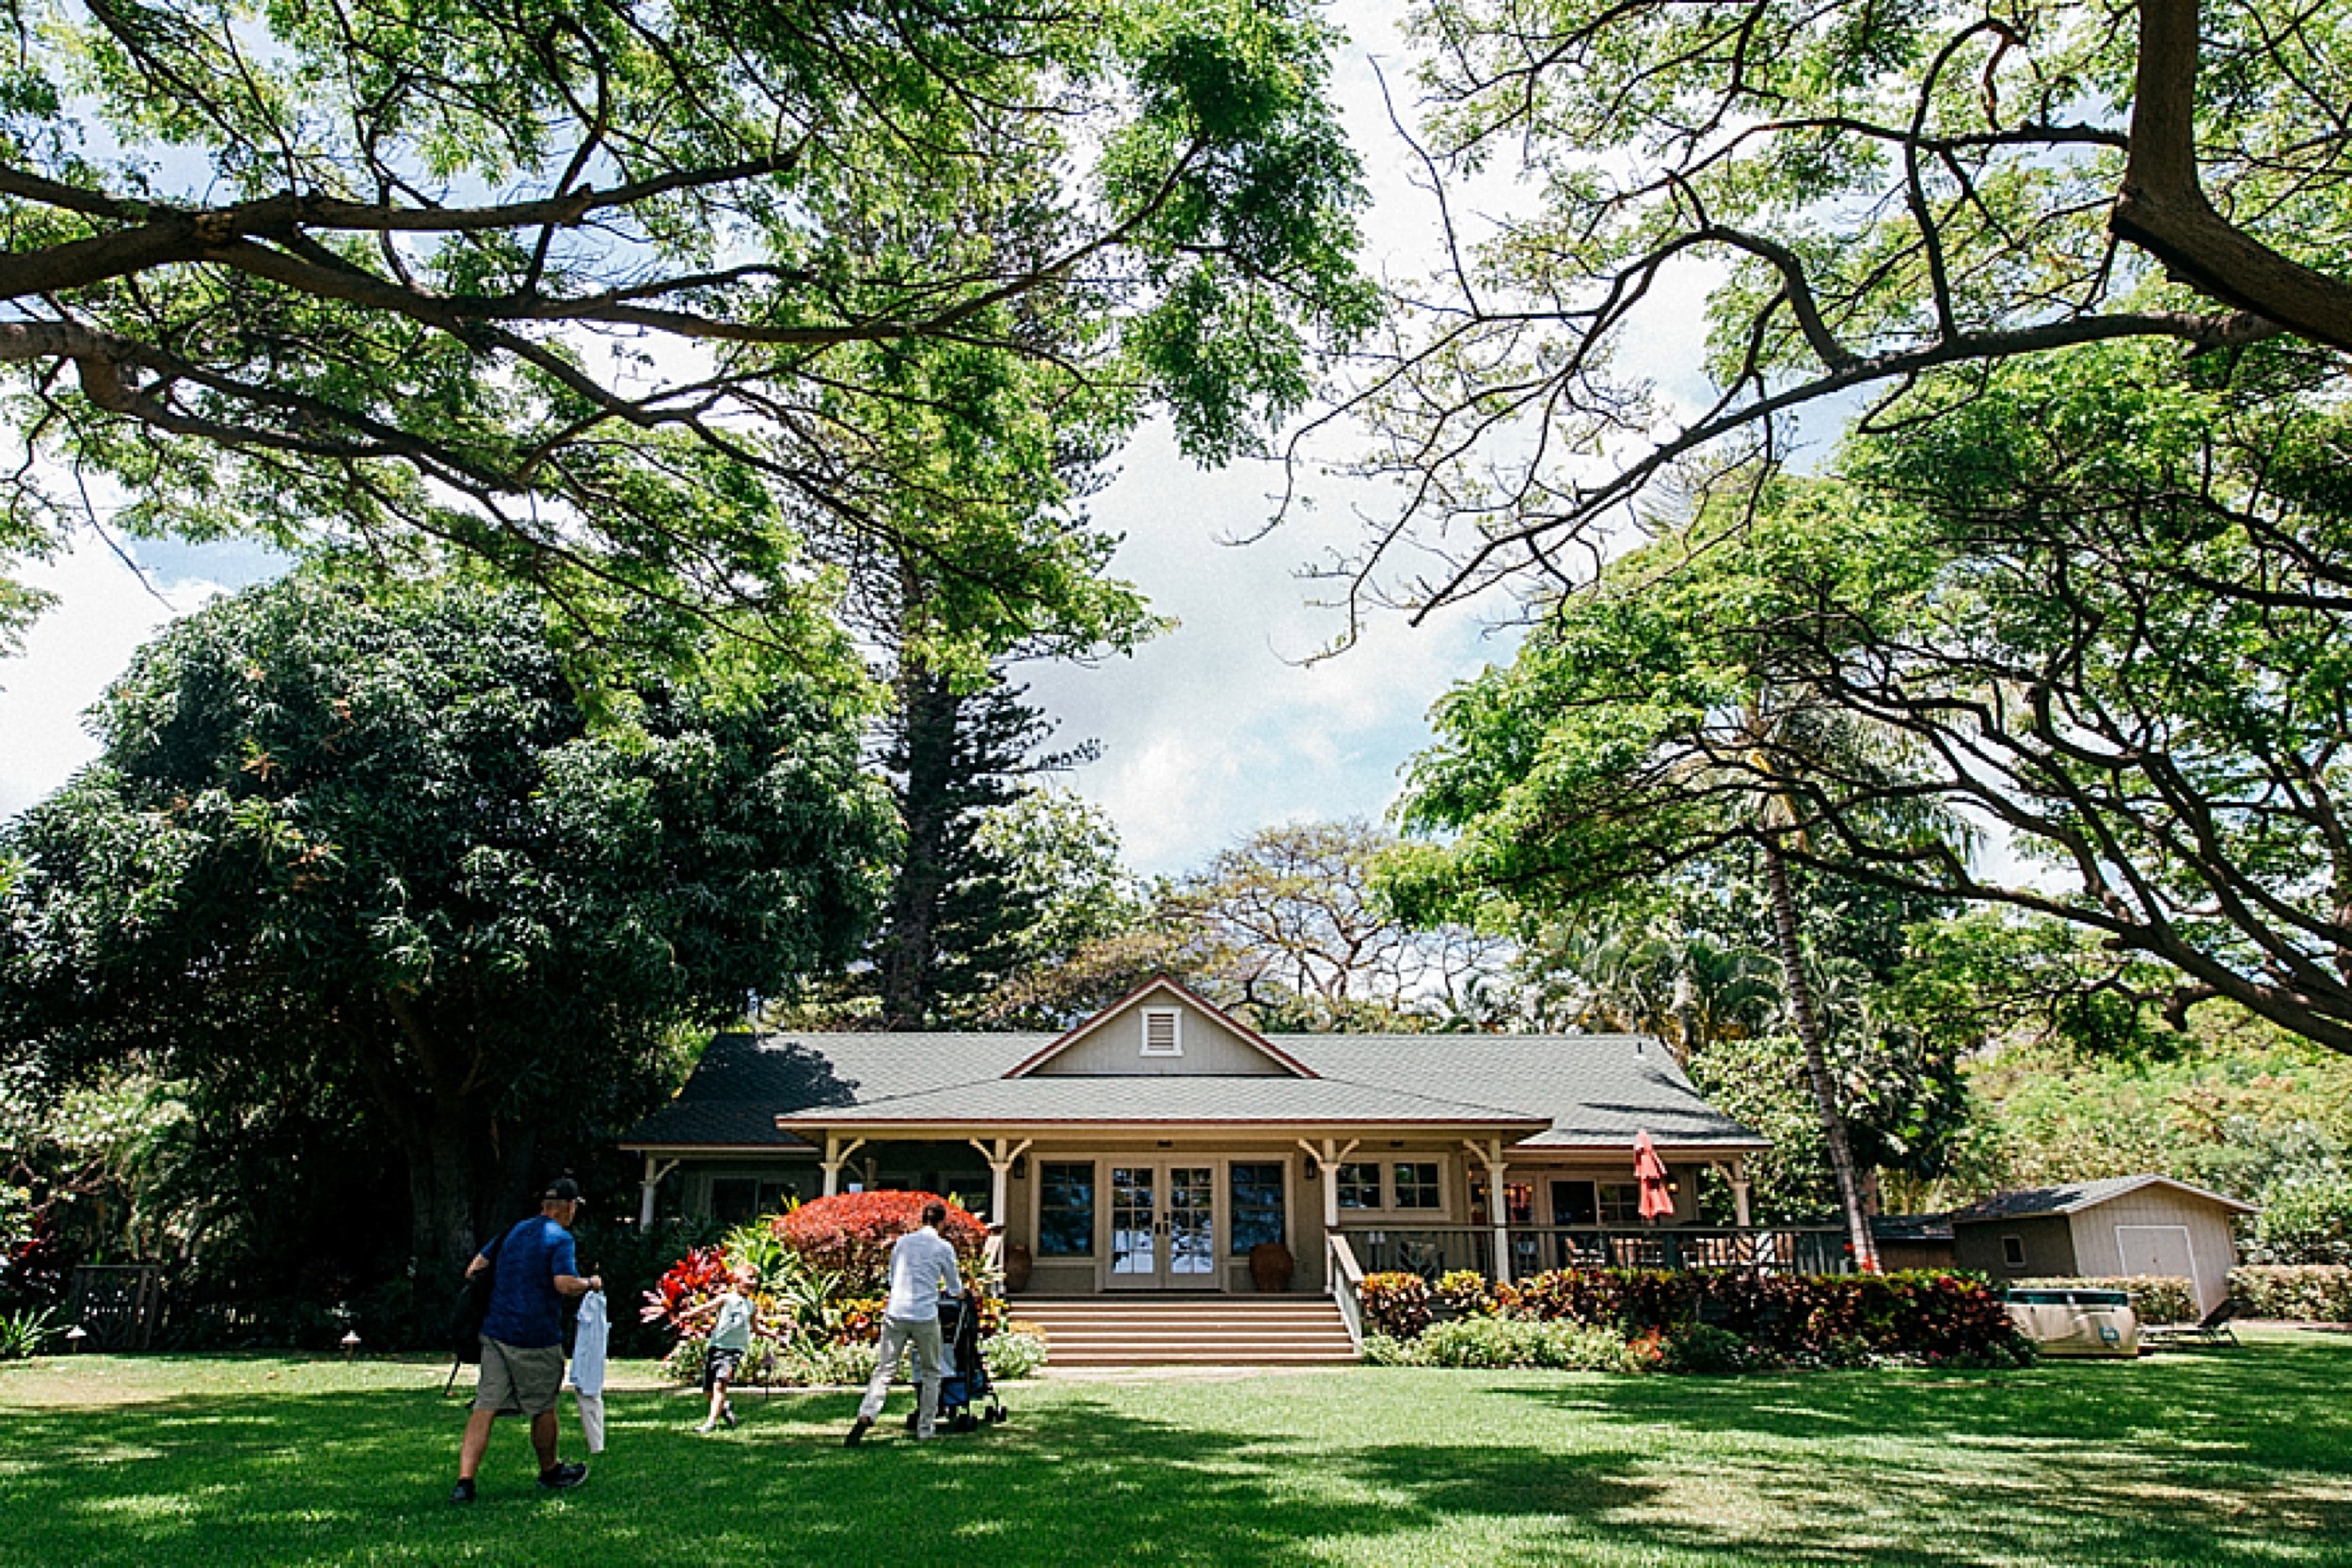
[522, 1336]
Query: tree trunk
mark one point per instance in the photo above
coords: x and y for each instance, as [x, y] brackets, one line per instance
[1866, 1254]
[906, 955]
[442, 1164]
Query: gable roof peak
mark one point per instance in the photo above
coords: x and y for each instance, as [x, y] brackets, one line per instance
[1176, 988]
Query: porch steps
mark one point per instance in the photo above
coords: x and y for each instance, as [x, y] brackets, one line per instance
[1217, 1331]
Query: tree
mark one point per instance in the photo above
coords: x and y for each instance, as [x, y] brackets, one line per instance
[395, 849]
[955, 924]
[1639, 734]
[636, 297]
[1873, 198]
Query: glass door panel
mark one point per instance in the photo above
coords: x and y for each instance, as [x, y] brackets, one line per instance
[1191, 1224]
[1135, 1224]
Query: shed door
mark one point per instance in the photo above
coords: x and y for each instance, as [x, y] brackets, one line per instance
[2162, 1250]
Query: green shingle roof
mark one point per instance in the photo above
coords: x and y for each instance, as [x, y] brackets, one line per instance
[1543, 1090]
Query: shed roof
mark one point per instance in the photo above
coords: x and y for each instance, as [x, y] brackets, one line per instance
[2074, 1197]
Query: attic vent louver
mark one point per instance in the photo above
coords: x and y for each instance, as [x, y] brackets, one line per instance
[1163, 1033]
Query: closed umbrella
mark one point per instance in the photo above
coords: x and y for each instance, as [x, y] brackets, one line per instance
[1650, 1171]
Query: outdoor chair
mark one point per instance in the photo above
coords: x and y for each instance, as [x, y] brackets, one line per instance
[2210, 1329]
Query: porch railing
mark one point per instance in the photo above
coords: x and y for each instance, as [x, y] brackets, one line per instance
[1346, 1277]
[1431, 1250]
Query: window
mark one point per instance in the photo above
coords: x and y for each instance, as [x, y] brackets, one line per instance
[1574, 1203]
[1518, 1202]
[737, 1200]
[1163, 1031]
[1417, 1185]
[1256, 1204]
[1359, 1185]
[1620, 1202]
[2013, 1252]
[1065, 1209]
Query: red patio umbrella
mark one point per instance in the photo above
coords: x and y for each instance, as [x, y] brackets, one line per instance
[1650, 1171]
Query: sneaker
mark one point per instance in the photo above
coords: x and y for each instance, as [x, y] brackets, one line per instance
[564, 1476]
[857, 1431]
[462, 1491]
[708, 1428]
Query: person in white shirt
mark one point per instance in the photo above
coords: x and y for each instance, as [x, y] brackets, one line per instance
[922, 1269]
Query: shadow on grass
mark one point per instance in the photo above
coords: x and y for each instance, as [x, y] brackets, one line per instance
[2243, 1457]
[360, 1478]
[2189, 1461]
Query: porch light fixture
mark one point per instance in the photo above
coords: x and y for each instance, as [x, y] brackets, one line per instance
[1313, 1170]
[1019, 1168]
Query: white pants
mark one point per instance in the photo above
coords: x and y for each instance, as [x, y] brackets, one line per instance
[898, 1336]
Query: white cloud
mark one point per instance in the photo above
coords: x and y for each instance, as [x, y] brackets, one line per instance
[104, 612]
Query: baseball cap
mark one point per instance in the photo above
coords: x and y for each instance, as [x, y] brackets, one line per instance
[561, 1190]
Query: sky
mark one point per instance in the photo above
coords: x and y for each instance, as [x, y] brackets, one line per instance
[1218, 728]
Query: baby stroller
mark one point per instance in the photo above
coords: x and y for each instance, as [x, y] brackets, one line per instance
[966, 1382]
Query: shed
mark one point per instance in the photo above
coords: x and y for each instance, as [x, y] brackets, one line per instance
[2120, 1227]
[1914, 1242]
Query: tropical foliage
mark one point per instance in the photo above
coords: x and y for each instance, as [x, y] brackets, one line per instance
[398, 858]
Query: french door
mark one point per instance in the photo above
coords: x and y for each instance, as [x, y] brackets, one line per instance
[1163, 1226]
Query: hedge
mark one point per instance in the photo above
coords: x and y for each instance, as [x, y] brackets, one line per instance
[2306, 1293]
[1930, 1315]
[2155, 1298]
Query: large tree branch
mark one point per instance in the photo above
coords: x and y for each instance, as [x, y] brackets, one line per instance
[2162, 207]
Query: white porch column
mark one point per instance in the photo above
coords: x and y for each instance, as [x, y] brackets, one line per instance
[1739, 1192]
[1000, 1153]
[651, 1184]
[1328, 1157]
[1490, 1155]
[836, 1155]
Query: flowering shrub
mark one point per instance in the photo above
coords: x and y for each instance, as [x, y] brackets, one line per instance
[1928, 1317]
[1395, 1304]
[817, 1293]
[1465, 1294]
[2155, 1298]
[852, 1234]
[2308, 1293]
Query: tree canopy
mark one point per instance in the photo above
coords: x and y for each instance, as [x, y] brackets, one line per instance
[394, 850]
[640, 298]
[1866, 197]
[2099, 607]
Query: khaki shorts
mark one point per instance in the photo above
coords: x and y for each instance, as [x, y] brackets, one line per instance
[518, 1382]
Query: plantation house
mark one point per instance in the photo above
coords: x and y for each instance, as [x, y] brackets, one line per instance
[1153, 1146]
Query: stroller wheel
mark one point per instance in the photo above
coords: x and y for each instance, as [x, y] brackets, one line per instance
[997, 1415]
[914, 1420]
[965, 1422]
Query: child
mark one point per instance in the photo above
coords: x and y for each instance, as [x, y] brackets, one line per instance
[730, 1339]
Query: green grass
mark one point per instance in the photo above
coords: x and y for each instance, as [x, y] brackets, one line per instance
[2209, 1457]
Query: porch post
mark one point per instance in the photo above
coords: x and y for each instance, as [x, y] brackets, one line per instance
[651, 1184]
[1739, 1192]
[1000, 1161]
[836, 1155]
[1328, 1157]
[1492, 1156]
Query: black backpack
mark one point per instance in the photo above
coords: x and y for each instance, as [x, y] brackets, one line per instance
[473, 1305]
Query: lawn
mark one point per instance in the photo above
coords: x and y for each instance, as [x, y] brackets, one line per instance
[2208, 1457]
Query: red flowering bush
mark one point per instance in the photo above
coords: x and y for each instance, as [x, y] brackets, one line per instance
[851, 1235]
[1396, 1305]
[693, 1279]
